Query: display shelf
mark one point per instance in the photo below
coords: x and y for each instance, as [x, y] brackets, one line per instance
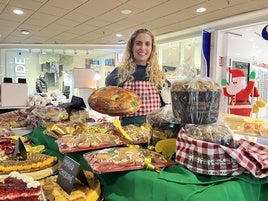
[4, 109]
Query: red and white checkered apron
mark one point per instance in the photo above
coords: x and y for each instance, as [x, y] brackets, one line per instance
[149, 96]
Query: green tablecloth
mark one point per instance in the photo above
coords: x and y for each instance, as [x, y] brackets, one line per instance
[173, 183]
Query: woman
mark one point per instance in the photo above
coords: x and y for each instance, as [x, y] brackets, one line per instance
[140, 72]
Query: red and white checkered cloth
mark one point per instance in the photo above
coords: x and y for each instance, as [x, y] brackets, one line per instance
[214, 159]
[251, 156]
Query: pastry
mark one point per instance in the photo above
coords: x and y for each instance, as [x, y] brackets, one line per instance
[80, 116]
[124, 158]
[80, 192]
[14, 119]
[89, 141]
[114, 101]
[139, 135]
[51, 113]
[18, 186]
[34, 162]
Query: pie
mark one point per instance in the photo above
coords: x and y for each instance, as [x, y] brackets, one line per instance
[34, 162]
[114, 101]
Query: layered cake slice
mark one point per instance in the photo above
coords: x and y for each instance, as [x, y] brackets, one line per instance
[19, 187]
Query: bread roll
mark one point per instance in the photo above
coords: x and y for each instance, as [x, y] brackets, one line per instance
[114, 101]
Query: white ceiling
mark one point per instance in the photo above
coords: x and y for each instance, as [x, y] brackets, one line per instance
[97, 21]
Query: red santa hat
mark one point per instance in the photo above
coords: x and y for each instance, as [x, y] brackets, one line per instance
[237, 73]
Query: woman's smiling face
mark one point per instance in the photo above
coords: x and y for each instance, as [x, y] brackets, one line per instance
[142, 48]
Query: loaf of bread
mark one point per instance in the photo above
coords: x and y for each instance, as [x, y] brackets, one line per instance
[114, 101]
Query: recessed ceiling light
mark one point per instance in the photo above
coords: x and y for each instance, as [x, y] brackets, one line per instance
[126, 12]
[122, 42]
[18, 12]
[201, 10]
[118, 35]
[24, 32]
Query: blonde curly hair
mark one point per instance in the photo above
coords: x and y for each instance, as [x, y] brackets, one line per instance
[128, 65]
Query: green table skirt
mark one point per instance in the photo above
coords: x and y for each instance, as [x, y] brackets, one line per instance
[172, 183]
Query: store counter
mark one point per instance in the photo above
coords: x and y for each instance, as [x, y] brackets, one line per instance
[172, 183]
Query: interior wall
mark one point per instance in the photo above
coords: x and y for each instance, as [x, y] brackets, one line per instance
[237, 44]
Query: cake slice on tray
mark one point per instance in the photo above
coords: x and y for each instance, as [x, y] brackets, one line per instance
[20, 187]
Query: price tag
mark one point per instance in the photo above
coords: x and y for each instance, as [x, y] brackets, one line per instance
[19, 149]
[68, 172]
[76, 103]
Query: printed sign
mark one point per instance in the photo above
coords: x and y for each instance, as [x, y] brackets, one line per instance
[19, 149]
[68, 172]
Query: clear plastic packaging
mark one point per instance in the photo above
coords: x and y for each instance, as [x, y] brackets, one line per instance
[164, 124]
[196, 101]
[216, 133]
[51, 113]
[124, 159]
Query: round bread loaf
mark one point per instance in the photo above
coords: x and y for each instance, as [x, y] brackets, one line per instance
[114, 101]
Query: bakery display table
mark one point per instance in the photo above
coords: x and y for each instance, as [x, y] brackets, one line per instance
[11, 108]
[172, 183]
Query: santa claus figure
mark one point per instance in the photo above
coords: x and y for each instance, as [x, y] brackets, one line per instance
[239, 91]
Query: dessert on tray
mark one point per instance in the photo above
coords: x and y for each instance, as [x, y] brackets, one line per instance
[89, 141]
[20, 187]
[123, 159]
[80, 191]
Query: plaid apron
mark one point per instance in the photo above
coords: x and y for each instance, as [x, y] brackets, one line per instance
[149, 96]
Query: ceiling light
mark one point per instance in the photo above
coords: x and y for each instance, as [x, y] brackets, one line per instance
[24, 32]
[18, 12]
[201, 10]
[126, 12]
[118, 35]
[122, 42]
[249, 29]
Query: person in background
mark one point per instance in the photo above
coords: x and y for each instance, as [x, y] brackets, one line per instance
[40, 84]
[140, 72]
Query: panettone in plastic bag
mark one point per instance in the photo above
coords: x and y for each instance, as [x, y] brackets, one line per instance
[216, 133]
[196, 101]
